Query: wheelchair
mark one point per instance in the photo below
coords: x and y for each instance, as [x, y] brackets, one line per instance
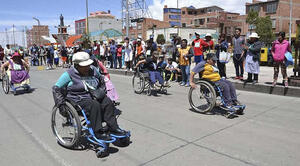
[208, 95]
[7, 85]
[141, 83]
[70, 123]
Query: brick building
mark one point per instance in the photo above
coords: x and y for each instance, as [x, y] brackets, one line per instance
[34, 35]
[173, 16]
[212, 17]
[144, 24]
[279, 12]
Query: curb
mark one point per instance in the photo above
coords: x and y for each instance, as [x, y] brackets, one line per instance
[259, 87]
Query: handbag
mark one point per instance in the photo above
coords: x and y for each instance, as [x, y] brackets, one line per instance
[224, 57]
[288, 59]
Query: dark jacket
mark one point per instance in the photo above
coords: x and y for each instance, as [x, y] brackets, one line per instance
[254, 50]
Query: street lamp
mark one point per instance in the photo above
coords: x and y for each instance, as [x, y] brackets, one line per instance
[87, 18]
[38, 29]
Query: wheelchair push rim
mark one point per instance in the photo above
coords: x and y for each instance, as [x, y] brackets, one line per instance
[202, 99]
[138, 83]
[66, 125]
[5, 84]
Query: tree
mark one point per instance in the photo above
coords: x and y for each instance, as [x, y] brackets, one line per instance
[160, 39]
[262, 26]
[264, 29]
[85, 39]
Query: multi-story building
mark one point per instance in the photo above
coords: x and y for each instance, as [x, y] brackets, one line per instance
[144, 24]
[34, 35]
[212, 17]
[279, 12]
[98, 21]
[173, 16]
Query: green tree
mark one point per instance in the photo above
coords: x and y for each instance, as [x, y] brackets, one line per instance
[264, 29]
[160, 39]
[86, 43]
[261, 25]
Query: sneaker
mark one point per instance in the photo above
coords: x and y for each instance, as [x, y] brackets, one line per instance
[241, 78]
[236, 78]
[254, 82]
[118, 132]
[182, 84]
[102, 136]
[274, 83]
[187, 85]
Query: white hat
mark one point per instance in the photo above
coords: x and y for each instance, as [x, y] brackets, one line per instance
[208, 35]
[82, 59]
[254, 35]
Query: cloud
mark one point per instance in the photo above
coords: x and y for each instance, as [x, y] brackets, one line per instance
[237, 6]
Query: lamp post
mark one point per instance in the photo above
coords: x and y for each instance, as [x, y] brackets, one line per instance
[87, 18]
[39, 39]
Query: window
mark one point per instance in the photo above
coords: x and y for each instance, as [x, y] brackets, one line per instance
[207, 19]
[139, 26]
[190, 13]
[273, 23]
[271, 8]
[183, 24]
[229, 18]
[174, 23]
[175, 17]
[191, 21]
[255, 8]
[183, 12]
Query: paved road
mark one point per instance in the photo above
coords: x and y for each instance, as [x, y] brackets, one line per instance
[164, 130]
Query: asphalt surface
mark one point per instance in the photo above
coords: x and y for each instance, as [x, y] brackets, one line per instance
[164, 130]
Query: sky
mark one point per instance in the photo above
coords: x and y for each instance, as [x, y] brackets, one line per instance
[20, 12]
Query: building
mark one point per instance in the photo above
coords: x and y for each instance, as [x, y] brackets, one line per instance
[98, 21]
[279, 12]
[212, 17]
[34, 35]
[143, 25]
[184, 33]
[173, 16]
[80, 26]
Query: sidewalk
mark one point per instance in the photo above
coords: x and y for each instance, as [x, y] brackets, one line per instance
[265, 80]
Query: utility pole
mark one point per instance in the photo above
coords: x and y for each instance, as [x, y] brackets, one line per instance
[290, 27]
[14, 35]
[180, 21]
[6, 36]
[87, 18]
[39, 24]
[127, 18]
[23, 36]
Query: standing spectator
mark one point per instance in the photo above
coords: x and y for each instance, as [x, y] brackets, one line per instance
[64, 56]
[220, 47]
[210, 43]
[238, 58]
[42, 56]
[96, 50]
[279, 48]
[8, 51]
[34, 55]
[128, 48]
[151, 46]
[185, 53]
[1, 54]
[113, 53]
[49, 58]
[198, 46]
[119, 55]
[56, 57]
[252, 58]
[102, 50]
[140, 50]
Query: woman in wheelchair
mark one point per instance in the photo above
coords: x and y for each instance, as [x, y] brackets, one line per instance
[85, 86]
[18, 71]
[150, 65]
[211, 73]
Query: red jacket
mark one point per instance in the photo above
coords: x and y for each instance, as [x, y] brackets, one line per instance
[198, 45]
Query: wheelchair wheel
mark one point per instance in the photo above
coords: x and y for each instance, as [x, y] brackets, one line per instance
[203, 98]
[66, 125]
[138, 83]
[5, 84]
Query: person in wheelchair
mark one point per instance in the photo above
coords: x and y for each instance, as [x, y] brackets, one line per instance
[85, 86]
[210, 72]
[18, 71]
[150, 65]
